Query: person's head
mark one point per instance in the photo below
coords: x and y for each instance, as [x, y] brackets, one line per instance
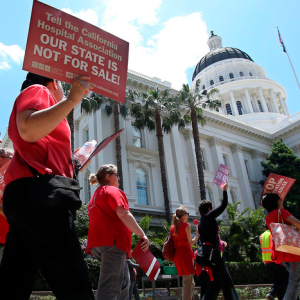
[181, 215]
[271, 202]
[106, 175]
[204, 207]
[6, 155]
[53, 85]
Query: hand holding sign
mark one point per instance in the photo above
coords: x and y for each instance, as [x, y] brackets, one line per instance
[221, 176]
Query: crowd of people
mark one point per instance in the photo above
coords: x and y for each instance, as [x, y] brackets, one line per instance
[38, 236]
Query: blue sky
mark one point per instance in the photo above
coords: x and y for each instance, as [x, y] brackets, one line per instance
[167, 37]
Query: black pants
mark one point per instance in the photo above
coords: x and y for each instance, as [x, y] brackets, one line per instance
[222, 280]
[40, 239]
[281, 278]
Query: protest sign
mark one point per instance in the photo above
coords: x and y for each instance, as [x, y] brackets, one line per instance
[62, 46]
[277, 184]
[221, 176]
[2, 185]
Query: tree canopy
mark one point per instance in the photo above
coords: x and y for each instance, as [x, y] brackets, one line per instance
[283, 161]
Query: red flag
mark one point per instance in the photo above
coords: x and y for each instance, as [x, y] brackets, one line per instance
[281, 41]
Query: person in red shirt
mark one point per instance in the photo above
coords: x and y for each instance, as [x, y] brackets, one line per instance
[110, 229]
[5, 157]
[277, 214]
[41, 238]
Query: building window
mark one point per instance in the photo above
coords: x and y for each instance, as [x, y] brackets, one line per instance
[233, 198]
[203, 87]
[87, 188]
[203, 161]
[225, 161]
[208, 195]
[250, 73]
[231, 75]
[136, 137]
[211, 82]
[260, 106]
[86, 135]
[228, 109]
[241, 74]
[247, 169]
[141, 186]
[239, 107]
[221, 78]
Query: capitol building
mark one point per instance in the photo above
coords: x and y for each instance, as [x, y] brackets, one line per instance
[253, 114]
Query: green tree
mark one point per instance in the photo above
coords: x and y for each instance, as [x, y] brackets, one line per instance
[157, 111]
[283, 161]
[241, 231]
[193, 101]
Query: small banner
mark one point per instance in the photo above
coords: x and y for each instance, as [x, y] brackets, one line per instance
[277, 184]
[102, 145]
[61, 46]
[221, 176]
[146, 260]
[2, 185]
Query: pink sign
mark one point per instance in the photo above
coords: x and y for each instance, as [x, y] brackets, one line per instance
[277, 184]
[61, 46]
[2, 185]
[221, 176]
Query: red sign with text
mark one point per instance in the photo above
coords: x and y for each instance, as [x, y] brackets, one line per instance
[62, 46]
[221, 176]
[277, 184]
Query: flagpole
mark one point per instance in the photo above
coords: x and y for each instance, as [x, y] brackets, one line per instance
[293, 69]
[284, 50]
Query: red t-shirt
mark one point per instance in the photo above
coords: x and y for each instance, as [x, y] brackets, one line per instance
[106, 228]
[280, 256]
[51, 154]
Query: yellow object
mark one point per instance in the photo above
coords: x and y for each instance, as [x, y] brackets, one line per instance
[265, 240]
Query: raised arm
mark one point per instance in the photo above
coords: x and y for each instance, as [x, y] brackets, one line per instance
[220, 209]
[33, 125]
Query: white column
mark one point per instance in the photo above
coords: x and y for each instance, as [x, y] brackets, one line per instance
[263, 101]
[233, 104]
[274, 102]
[282, 104]
[242, 176]
[216, 151]
[249, 101]
[179, 167]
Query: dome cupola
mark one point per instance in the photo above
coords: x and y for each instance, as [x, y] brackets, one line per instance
[214, 41]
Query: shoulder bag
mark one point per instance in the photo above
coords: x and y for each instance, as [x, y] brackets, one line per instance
[55, 191]
[285, 237]
[168, 250]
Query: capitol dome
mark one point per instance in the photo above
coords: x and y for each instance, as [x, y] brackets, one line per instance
[218, 55]
[245, 91]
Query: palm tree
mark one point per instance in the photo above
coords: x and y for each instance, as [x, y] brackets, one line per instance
[156, 111]
[117, 109]
[193, 101]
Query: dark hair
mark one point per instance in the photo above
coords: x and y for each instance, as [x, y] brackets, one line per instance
[270, 202]
[32, 78]
[204, 205]
[101, 173]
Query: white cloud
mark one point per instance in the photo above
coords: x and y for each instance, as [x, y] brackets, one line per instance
[8, 54]
[166, 54]
[88, 15]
